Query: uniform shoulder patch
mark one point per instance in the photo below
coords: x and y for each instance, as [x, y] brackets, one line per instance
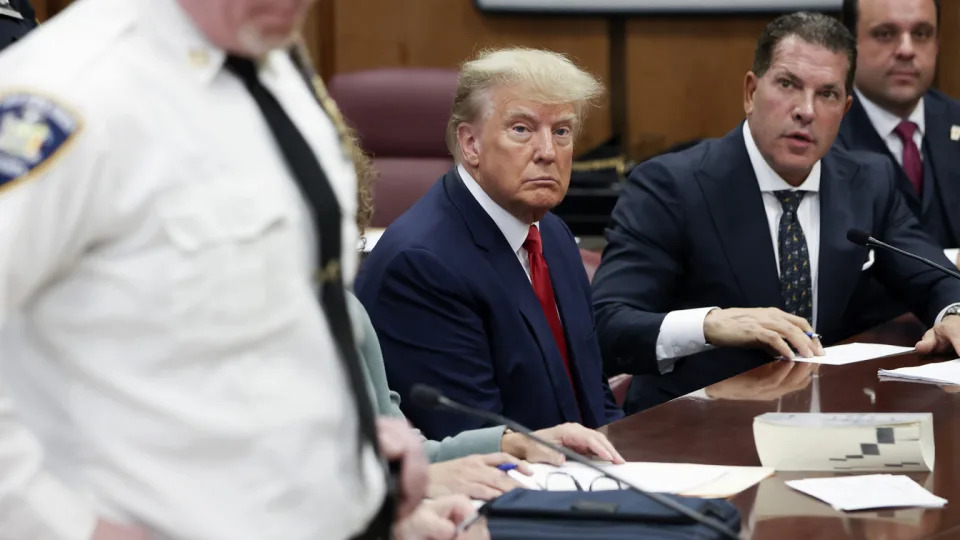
[33, 130]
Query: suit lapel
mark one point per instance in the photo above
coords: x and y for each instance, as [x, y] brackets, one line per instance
[944, 154]
[736, 206]
[840, 260]
[858, 133]
[504, 260]
[575, 311]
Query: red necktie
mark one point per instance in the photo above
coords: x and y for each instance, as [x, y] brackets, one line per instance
[912, 164]
[540, 277]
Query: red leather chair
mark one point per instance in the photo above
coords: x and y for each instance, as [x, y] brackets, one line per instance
[591, 260]
[619, 385]
[401, 117]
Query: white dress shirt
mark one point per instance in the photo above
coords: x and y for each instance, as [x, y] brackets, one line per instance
[885, 122]
[681, 333]
[514, 230]
[164, 360]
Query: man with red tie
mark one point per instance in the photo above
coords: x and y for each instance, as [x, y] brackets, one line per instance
[896, 112]
[478, 289]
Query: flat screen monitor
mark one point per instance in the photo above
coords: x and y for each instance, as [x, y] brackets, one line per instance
[657, 6]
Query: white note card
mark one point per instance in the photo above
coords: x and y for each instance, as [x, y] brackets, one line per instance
[945, 373]
[868, 492]
[850, 353]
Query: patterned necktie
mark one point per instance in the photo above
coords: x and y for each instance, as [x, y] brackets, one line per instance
[795, 283]
[912, 164]
[543, 287]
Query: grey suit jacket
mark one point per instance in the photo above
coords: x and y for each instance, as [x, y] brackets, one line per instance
[387, 402]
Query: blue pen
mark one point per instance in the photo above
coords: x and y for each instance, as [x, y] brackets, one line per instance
[507, 467]
[813, 335]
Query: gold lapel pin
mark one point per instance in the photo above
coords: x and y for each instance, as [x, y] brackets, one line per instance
[955, 133]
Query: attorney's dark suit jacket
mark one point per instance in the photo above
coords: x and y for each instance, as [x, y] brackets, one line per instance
[937, 209]
[453, 308]
[690, 231]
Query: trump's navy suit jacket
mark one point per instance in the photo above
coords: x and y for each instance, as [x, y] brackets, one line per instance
[453, 308]
[937, 207]
[690, 230]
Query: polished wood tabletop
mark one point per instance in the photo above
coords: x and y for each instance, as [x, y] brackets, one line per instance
[719, 430]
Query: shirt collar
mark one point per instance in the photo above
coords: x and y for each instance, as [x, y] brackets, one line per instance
[768, 179]
[514, 230]
[173, 29]
[885, 121]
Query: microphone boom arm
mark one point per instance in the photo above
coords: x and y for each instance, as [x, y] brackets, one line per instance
[871, 241]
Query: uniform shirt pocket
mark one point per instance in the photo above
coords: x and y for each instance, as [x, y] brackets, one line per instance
[234, 251]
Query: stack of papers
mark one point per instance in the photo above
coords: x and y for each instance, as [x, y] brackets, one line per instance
[845, 441]
[839, 355]
[678, 478]
[945, 373]
[868, 492]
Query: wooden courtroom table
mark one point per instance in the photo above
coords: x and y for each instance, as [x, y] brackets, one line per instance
[720, 431]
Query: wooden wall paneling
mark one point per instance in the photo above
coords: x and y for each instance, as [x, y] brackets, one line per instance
[40, 8]
[685, 77]
[49, 7]
[319, 35]
[948, 76]
[444, 33]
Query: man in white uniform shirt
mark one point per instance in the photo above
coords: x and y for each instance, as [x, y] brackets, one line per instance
[167, 371]
[741, 242]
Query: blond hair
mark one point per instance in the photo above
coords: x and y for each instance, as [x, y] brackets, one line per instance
[544, 76]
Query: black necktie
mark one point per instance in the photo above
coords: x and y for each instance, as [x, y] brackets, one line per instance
[308, 173]
[795, 284]
[306, 169]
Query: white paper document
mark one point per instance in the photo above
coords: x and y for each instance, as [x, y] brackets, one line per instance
[944, 373]
[868, 492]
[678, 478]
[850, 353]
[776, 500]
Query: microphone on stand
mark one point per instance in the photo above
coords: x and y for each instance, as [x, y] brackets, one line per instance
[430, 398]
[863, 238]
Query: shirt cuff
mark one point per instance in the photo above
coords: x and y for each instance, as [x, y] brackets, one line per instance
[681, 334]
[952, 254]
[700, 394]
[944, 312]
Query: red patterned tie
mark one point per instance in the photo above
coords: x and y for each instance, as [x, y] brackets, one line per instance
[540, 276]
[912, 164]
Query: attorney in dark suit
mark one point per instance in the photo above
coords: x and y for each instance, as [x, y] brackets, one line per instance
[478, 289]
[896, 113]
[740, 242]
